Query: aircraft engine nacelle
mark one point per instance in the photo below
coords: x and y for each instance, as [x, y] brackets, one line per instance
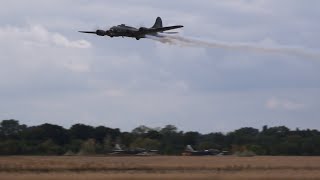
[142, 29]
[101, 32]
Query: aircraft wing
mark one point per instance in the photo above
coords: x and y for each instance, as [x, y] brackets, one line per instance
[155, 30]
[88, 32]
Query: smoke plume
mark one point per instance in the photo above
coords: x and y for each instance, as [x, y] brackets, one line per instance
[253, 47]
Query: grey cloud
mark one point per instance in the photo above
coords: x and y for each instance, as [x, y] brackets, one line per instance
[39, 36]
[276, 103]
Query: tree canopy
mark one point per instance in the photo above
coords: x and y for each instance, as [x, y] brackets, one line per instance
[50, 139]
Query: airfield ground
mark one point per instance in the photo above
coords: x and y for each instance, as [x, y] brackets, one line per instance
[158, 167]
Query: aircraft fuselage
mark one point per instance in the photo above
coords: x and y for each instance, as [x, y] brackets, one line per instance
[125, 31]
[138, 33]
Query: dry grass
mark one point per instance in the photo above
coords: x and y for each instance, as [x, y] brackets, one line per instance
[159, 167]
[266, 175]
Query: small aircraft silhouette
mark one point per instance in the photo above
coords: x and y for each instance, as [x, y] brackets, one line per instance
[128, 31]
[189, 151]
[117, 150]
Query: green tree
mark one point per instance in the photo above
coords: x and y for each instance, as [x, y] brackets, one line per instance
[172, 140]
[88, 147]
[56, 133]
[191, 138]
[74, 145]
[169, 129]
[11, 128]
[81, 131]
[48, 147]
[10, 147]
[153, 134]
[107, 144]
[141, 130]
[145, 143]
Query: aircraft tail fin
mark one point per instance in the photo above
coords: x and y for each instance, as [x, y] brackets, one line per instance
[117, 147]
[189, 148]
[158, 23]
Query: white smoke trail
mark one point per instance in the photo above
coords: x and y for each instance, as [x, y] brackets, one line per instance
[275, 49]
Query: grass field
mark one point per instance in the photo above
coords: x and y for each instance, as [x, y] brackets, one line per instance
[158, 167]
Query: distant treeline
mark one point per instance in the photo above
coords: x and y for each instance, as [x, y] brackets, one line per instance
[50, 139]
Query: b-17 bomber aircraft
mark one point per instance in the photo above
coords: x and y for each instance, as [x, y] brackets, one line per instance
[128, 31]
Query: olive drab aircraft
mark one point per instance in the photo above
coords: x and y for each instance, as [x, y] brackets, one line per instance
[138, 33]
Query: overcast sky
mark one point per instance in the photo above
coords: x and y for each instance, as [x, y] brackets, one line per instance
[49, 73]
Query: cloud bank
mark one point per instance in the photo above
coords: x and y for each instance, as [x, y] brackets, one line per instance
[38, 35]
[279, 104]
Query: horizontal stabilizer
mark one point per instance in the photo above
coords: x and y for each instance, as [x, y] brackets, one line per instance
[169, 28]
[159, 30]
[170, 32]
